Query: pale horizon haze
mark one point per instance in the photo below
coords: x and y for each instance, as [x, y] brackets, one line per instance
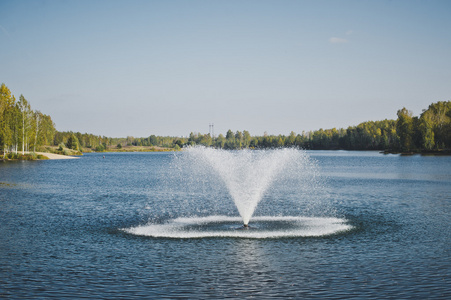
[138, 68]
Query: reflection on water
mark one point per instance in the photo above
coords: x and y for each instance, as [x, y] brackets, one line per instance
[249, 261]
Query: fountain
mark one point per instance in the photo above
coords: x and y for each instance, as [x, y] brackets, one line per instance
[247, 174]
[285, 178]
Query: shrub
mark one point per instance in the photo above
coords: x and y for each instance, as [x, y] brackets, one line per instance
[30, 156]
[72, 143]
[100, 148]
[12, 155]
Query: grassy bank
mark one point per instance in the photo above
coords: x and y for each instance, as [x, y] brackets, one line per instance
[20, 156]
[133, 149]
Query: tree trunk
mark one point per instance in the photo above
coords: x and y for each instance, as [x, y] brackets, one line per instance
[23, 133]
[36, 135]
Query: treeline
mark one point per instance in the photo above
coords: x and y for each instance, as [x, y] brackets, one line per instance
[21, 128]
[81, 142]
[429, 132]
[85, 141]
[366, 136]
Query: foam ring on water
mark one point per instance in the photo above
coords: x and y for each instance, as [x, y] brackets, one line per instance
[261, 227]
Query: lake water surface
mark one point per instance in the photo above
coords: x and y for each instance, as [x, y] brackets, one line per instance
[69, 229]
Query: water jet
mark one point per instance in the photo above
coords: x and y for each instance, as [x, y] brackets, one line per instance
[247, 174]
[283, 178]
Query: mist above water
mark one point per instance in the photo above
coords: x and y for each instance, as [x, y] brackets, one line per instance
[277, 192]
[263, 182]
[249, 174]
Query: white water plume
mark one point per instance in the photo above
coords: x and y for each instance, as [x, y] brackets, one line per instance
[204, 182]
[248, 174]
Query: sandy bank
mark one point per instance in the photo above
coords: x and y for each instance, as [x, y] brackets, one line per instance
[56, 156]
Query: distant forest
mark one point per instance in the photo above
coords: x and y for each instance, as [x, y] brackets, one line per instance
[429, 132]
[24, 129]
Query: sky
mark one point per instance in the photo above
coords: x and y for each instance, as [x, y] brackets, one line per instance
[137, 68]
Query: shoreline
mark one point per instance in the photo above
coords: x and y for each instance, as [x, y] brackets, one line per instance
[53, 156]
[40, 156]
[422, 153]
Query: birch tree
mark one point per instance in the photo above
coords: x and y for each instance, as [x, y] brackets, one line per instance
[25, 115]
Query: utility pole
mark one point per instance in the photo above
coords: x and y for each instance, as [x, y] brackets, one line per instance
[211, 130]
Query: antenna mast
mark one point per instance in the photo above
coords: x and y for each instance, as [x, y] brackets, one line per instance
[211, 129]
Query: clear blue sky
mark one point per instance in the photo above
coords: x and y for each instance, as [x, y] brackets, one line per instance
[137, 68]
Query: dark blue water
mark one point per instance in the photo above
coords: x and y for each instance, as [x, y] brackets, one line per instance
[61, 232]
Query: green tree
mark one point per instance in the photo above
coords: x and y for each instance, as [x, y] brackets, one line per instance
[46, 129]
[280, 141]
[230, 140]
[72, 143]
[291, 140]
[246, 139]
[205, 140]
[7, 112]
[26, 120]
[229, 135]
[438, 116]
[404, 128]
[220, 141]
[427, 130]
[238, 140]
